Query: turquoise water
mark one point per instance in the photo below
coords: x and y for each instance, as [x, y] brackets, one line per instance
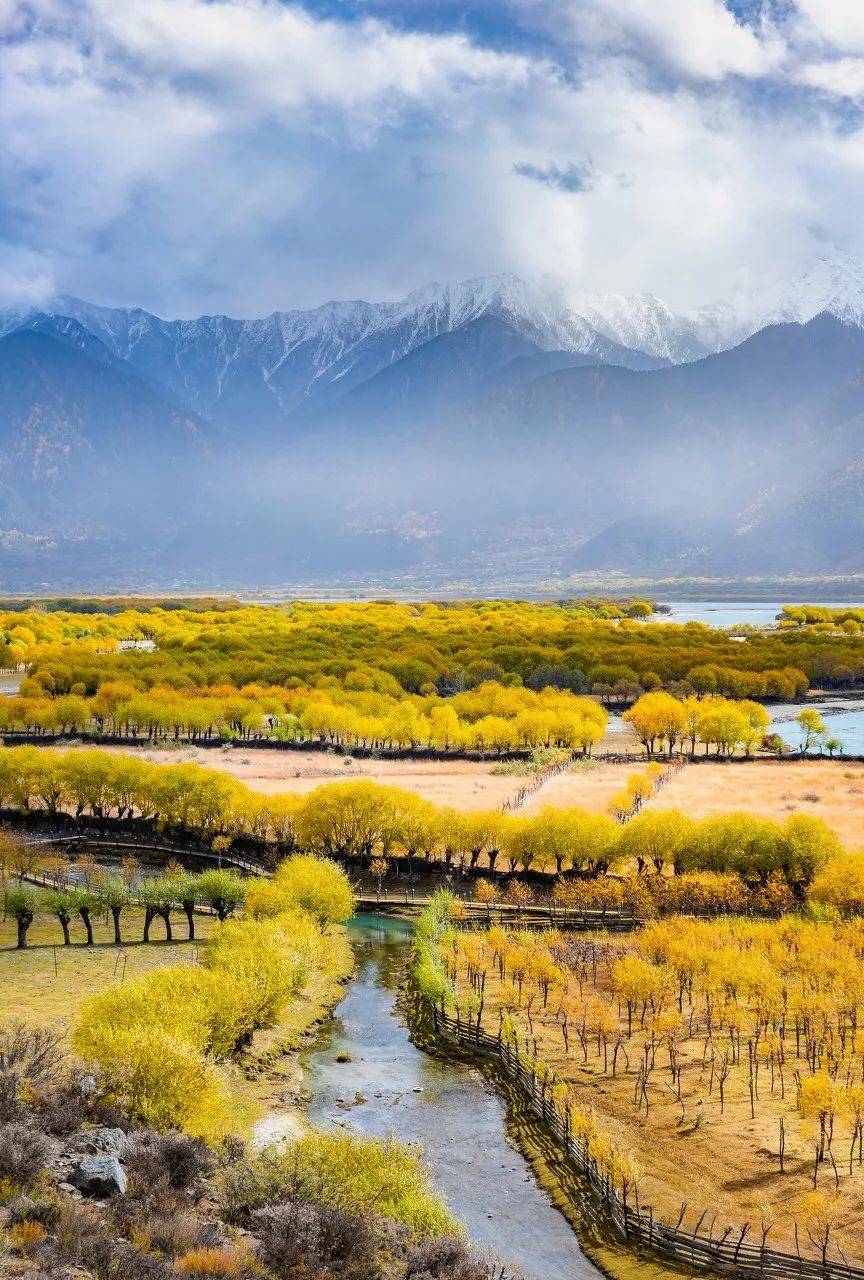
[448, 1108]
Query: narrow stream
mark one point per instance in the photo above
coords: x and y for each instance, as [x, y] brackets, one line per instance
[392, 1087]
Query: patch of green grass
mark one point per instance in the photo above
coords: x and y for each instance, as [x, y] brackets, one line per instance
[48, 982]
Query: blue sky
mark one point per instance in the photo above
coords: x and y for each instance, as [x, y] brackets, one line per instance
[246, 155]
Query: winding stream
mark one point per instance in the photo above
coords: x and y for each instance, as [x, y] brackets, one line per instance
[446, 1107]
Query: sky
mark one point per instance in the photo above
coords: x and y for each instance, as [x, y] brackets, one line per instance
[241, 156]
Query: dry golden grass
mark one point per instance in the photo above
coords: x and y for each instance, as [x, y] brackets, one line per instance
[830, 789]
[463, 783]
[689, 1152]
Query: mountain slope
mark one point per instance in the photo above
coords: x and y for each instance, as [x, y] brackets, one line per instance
[259, 372]
[429, 431]
[81, 436]
[482, 356]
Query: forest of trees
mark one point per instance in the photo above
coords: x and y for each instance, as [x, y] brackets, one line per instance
[746, 1030]
[480, 677]
[431, 649]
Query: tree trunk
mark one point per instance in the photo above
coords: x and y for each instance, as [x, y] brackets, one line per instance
[84, 913]
[189, 908]
[166, 916]
[63, 917]
[149, 913]
[24, 920]
[115, 912]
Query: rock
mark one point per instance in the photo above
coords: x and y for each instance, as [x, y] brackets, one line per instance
[88, 1085]
[108, 1142]
[99, 1176]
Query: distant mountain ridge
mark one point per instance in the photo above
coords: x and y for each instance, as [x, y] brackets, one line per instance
[229, 369]
[438, 429]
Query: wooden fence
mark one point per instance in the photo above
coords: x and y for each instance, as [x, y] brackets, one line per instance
[728, 1254]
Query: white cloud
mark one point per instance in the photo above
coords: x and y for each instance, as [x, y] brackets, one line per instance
[840, 23]
[698, 38]
[243, 155]
[843, 77]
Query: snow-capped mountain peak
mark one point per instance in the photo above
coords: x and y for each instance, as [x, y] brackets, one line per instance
[223, 367]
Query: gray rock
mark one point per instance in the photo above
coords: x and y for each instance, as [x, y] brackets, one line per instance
[99, 1176]
[88, 1085]
[108, 1142]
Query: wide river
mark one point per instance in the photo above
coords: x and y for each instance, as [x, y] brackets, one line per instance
[392, 1087]
[736, 613]
[844, 718]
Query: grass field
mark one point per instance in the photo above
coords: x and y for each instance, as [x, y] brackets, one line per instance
[829, 789]
[48, 982]
[464, 783]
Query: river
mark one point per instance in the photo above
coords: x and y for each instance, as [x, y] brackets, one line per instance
[448, 1108]
[735, 613]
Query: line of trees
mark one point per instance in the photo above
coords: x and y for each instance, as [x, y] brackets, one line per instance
[82, 891]
[490, 719]
[366, 820]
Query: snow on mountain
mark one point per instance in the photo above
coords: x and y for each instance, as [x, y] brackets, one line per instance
[265, 369]
[832, 284]
[276, 364]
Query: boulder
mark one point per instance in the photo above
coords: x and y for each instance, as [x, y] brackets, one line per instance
[99, 1176]
[87, 1086]
[108, 1142]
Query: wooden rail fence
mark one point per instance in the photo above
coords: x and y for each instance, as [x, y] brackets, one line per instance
[728, 1254]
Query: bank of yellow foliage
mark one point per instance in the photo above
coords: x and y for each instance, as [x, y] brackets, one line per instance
[463, 675]
[157, 1039]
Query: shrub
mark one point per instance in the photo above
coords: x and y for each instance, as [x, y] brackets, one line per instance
[317, 885]
[26, 1235]
[63, 1107]
[256, 960]
[299, 1238]
[159, 1080]
[34, 1054]
[340, 1169]
[206, 1262]
[171, 1232]
[192, 1004]
[76, 1225]
[446, 1258]
[23, 1153]
[168, 1160]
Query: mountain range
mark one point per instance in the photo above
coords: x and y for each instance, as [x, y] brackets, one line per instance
[597, 433]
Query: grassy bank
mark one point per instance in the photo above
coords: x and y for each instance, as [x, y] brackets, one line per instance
[49, 982]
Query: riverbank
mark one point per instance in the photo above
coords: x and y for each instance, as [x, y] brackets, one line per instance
[708, 1151]
[271, 1067]
[372, 1071]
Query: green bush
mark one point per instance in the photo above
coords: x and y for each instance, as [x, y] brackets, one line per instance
[355, 1173]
